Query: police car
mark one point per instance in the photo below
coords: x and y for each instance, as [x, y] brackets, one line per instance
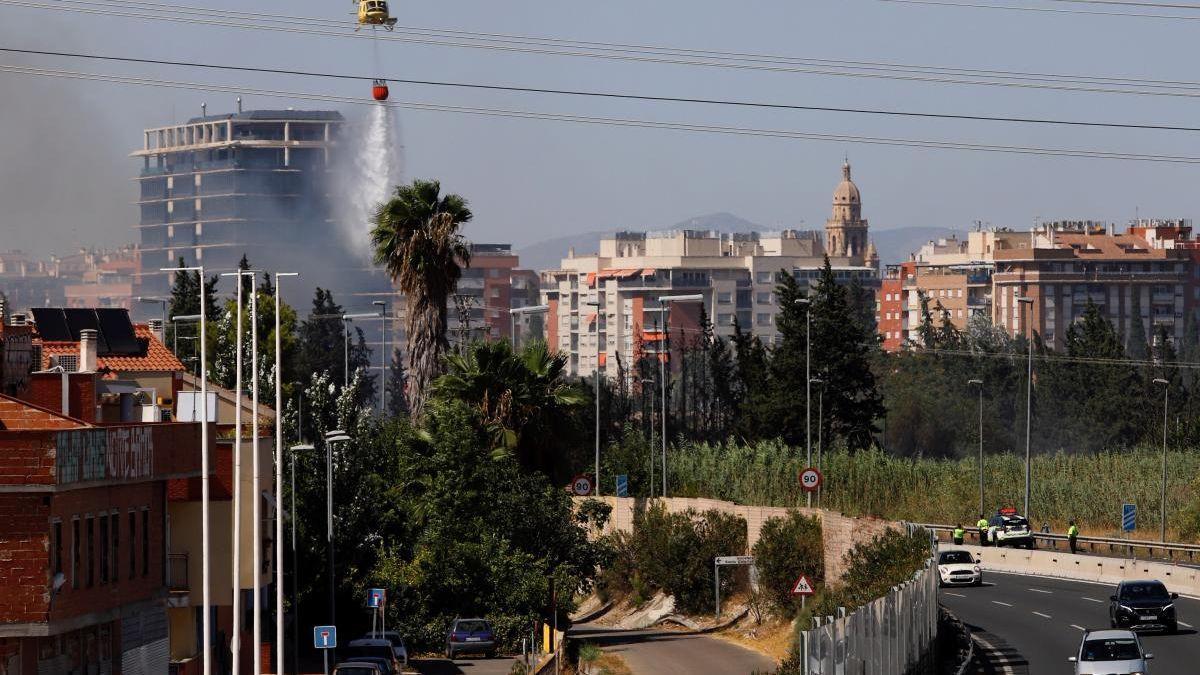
[1009, 528]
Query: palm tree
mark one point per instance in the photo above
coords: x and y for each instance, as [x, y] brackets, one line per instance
[523, 399]
[416, 237]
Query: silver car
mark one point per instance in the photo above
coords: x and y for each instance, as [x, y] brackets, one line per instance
[1111, 652]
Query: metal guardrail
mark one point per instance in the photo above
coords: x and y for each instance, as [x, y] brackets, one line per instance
[1095, 545]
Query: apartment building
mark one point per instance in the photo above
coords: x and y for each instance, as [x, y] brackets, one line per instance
[88, 277]
[605, 305]
[1146, 272]
[85, 520]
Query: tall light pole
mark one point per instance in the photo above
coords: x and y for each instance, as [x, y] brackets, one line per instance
[206, 599]
[295, 562]
[279, 478]
[648, 382]
[255, 480]
[512, 313]
[331, 437]
[665, 301]
[807, 383]
[820, 425]
[177, 318]
[1028, 396]
[979, 383]
[158, 301]
[383, 357]
[596, 377]
[1163, 516]
[235, 640]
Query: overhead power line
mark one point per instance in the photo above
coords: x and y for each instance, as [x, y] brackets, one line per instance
[1056, 10]
[153, 11]
[613, 121]
[613, 95]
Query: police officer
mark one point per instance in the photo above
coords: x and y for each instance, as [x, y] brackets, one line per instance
[1073, 536]
[959, 533]
[983, 528]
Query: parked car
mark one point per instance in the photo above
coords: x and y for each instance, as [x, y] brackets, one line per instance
[1110, 652]
[357, 668]
[388, 665]
[398, 647]
[470, 636]
[1143, 605]
[370, 648]
[959, 568]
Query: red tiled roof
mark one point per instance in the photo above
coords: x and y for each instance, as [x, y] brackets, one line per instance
[156, 359]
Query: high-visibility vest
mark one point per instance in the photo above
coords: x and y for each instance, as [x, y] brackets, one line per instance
[1073, 531]
[959, 533]
[983, 523]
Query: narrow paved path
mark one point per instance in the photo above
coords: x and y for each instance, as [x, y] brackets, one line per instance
[663, 652]
[1031, 625]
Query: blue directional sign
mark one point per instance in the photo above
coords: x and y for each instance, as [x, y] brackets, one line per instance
[623, 485]
[376, 597]
[1128, 517]
[325, 637]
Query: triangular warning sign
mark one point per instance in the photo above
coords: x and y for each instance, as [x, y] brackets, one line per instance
[802, 586]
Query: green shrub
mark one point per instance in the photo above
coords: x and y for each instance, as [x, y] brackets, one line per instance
[674, 552]
[788, 547]
[890, 559]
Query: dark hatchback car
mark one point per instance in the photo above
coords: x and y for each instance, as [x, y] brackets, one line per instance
[470, 636]
[1143, 605]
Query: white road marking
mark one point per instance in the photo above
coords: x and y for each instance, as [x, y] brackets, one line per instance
[994, 658]
[1078, 627]
[1093, 600]
[997, 602]
[957, 595]
[1044, 616]
[1185, 625]
[1038, 590]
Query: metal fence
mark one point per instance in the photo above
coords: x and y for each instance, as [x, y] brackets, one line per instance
[1110, 546]
[884, 637]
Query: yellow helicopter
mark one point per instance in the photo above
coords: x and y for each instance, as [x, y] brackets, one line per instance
[374, 13]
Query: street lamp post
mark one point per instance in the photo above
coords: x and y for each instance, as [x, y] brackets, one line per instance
[596, 377]
[346, 319]
[331, 437]
[665, 301]
[820, 426]
[647, 382]
[279, 478]
[383, 357]
[206, 599]
[1163, 503]
[979, 383]
[1028, 397]
[808, 383]
[176, 318]
[512, 314]
[295, 563]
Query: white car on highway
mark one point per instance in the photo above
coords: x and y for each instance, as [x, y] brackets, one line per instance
[1111, 652]
[959, 568]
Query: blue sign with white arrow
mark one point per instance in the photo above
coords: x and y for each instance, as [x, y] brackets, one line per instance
[1128, 517]
[623, 485]
[325, 637]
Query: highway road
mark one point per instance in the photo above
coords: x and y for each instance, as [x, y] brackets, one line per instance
[1031, 625]
[663, 652]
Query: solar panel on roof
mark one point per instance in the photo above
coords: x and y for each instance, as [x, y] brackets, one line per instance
[52, 324]
[118, 331]
[79, 320]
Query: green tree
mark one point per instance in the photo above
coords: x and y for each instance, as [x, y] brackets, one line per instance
[788, 547]
[840, 353]
[751, 392]
[523, 399]
[416, 238]
[788, 363]
[396, 382]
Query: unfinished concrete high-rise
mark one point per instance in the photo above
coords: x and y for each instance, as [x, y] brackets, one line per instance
[254, 182]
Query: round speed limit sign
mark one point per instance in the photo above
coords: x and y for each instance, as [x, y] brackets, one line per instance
[810, 479]
[582, 485]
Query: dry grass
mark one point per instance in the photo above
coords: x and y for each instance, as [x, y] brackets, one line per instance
[773, 637]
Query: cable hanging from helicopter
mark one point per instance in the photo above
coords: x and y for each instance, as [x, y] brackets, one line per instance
[374, 13]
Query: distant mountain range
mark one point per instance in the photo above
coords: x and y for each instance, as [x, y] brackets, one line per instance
[894, 245]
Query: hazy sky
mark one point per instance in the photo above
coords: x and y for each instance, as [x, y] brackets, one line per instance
[65, 171]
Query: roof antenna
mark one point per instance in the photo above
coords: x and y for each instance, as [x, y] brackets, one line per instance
[239, 102]
[203, 110]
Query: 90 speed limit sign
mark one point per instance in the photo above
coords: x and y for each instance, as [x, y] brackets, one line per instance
[810, 479]
[581, 485]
